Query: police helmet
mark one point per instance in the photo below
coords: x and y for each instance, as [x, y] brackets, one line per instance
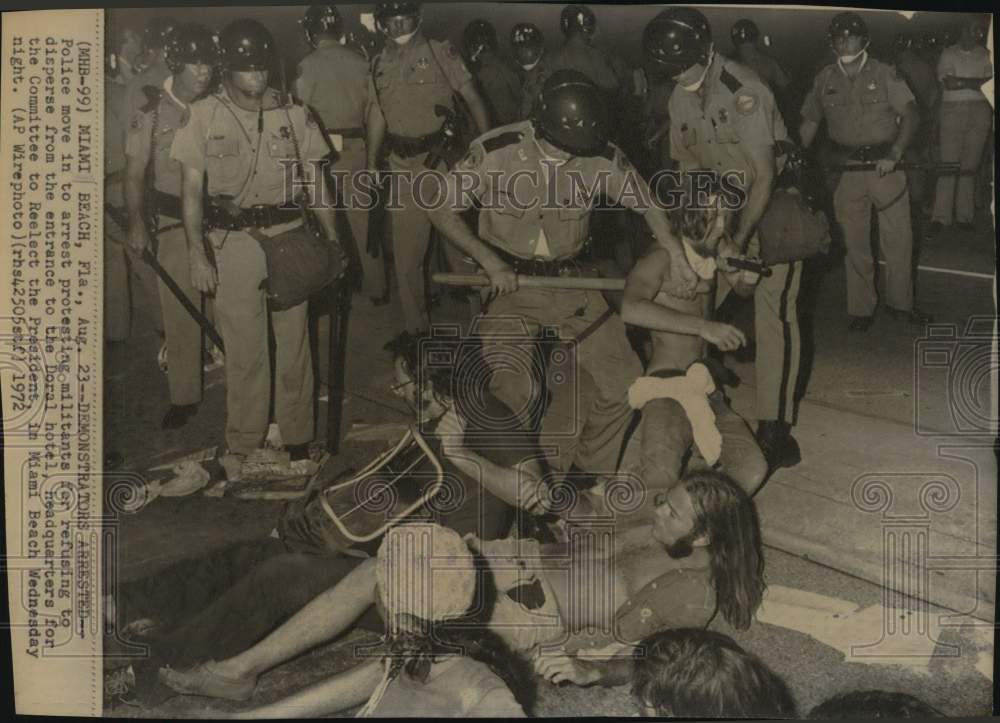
[845, 25]
[320, 19]
[578, 18]
[190, 43]
[570, 114]
[155, 35]
[526, 34]
[949, 36]
[477, 36]
[902, 42]
[677, 39]
[245, 44]
[399, 8]
[744, 31]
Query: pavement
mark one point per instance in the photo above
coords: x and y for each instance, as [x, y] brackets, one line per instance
[862, 593]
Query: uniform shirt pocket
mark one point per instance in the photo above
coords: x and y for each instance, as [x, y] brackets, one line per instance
[223, 162]
[725, 133]
[833, 100]
[689, 136]
[870, 96]
[417, 75]
[509, 206]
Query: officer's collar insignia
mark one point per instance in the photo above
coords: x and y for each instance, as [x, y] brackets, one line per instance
[423, 63]
[746, 103]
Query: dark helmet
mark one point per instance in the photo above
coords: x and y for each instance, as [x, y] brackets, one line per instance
[478, 35]
[320, 19]
[404, 8]
[578, 18]
[570, 114]
[677, 39]
[191, 43]
[744, 31]
[526, 34]
[155, 35]
[929, 42]
[902, 42]
[245, 44]
[949, 36]
[845, 25]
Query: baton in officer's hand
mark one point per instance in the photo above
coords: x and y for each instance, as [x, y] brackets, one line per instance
[745, 264]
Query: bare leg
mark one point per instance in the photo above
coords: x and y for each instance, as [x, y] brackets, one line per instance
[321, 620]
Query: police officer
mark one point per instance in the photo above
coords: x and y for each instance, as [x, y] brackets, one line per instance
[528, 47]
[241, 138]
[723, 118]
[498, 83]
[919, 75]
[965, 121]
[538, 227]
[191, 56]
[871, 116]
[410, 78]
[746, 41]
[154, 41]
[608, 72]
[333, 82]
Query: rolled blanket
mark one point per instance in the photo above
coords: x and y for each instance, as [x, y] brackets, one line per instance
[691, 392]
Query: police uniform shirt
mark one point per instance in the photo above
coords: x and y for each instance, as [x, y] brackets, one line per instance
[154, 75]
[409, 80]
[859, 111]
[333, 81]
[511, 183]
[973, 63]
[500, 87]
[167, 114]
[715, 127]
[594, 62]
[222, 139]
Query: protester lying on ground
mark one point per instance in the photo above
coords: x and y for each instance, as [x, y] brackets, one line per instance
[683, 405]
[437, 655]
[860, 704]
[220, 604]
[698, 550]
[692, 673]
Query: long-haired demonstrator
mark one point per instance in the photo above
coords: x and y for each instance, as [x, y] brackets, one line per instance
[436, 657]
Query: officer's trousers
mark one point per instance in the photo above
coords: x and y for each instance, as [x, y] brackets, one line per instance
[853, 199]
[353, 159]
[124, 273]
[779, 342]
[241, 311]
[965, 128]
[184, 358]
[411, 229]
[667, 437]
[589, 412]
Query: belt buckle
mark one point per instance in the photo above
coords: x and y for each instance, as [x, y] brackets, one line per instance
[260, 215]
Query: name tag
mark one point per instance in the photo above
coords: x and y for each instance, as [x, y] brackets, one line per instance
[337, 141]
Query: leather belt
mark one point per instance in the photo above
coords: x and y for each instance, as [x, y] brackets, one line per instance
[864, 154]
[409, 146]
[540, 267]
[260, 216]
[348, 132]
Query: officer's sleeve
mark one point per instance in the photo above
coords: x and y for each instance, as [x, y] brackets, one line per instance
[138, 137]
[303, 84]
[900, 94]
[946, 64]
[812, 110]
[468, 180]
[188, 147]
[756, 115]
[454, 67]
[626, 186]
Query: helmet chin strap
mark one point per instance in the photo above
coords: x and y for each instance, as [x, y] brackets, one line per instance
[693, 87]
[404, 39]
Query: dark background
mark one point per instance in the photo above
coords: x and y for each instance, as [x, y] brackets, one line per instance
[798, 36]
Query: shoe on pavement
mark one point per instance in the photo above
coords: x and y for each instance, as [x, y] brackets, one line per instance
[178, 415]
[912, 316]
[861, 323]
[203, 680]
[778, 445]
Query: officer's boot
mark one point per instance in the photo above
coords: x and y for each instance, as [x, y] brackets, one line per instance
[778, 445]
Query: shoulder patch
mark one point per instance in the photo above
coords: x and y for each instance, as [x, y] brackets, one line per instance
[473, 159]
[502, 141]
[746, 103]
[730, 81]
